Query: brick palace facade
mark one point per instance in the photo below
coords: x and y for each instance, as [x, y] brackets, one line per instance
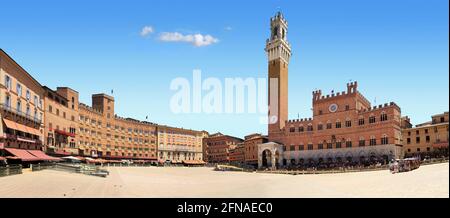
[344, 125]
[217, 147]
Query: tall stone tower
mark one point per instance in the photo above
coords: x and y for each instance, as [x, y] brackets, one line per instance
[278, 52]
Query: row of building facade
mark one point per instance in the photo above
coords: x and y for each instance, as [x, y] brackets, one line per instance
[368, 138]
[344, 125]
[35, 117]
[426, 140]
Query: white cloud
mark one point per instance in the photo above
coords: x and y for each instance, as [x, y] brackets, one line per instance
[146, 30]
[197, 40]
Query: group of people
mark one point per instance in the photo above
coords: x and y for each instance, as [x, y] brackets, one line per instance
[338, 165]
[437, 154]
[2, 162]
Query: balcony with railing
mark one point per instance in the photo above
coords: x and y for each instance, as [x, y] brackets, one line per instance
[180, 148]
[23, 138]
[9, 109]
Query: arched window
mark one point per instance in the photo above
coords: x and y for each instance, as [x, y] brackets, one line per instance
[301, 128]
[373, 141]
[348, 122]
[19, 106]
[329, 125]
[338, 144]
[19, 89]
[338, 124]
[301, 147]
[28, 111]
[348, 143]
[310, 127]
[329, 145]
[361, 120]
[8, 101]
[384, 140]
[8, 82]
[28, 95]
[320, 126]
[383, 116]
[320, 145]
[292, 129]
[362, 142]
[372, 118]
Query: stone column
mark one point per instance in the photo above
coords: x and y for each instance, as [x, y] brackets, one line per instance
[273, 162]
[259, 159]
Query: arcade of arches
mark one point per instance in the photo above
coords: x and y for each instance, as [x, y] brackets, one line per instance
[271, 155]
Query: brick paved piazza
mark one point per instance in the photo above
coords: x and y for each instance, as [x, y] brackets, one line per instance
[428, 181]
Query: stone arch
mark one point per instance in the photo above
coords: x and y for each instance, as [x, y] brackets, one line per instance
[372, 155]
[329, 157]
[319, 157]
[276, 151]
[338, 156]
[267, 158]
[349, 156]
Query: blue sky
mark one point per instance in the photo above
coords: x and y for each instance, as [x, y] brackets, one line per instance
[396, 50]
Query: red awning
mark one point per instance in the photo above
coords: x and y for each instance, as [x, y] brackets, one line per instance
[440, 145]
[22, 154]
[2, 158]
[64, 133]
[42, 155]
[130, 157]
[20, 127]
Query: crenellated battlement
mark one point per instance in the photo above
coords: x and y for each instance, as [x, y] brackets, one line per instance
[90, 109]
[317, 96]
[277, 18]
[131, 120]
[302, 120]
[352, 89]
[381, 107]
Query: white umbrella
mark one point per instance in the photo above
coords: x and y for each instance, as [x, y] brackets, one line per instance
[71, 158]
